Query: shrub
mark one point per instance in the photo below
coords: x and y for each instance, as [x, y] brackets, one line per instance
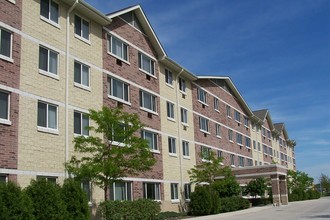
[167, 215]
[260, 201]
[46, 199]
[138, 209]
[75, 199]
[215, 201]
[227, 187]
[234, 203]
[313, 194]
[200, 201]
[14, 204]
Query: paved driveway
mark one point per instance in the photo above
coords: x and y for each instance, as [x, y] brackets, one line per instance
[313, 210]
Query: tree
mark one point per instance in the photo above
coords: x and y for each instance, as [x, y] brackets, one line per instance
[228, 186]
[324, 183]
[118, 154]
[299, 180]
[257, 187]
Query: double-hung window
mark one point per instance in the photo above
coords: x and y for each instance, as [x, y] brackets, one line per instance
[81, 123]
[170, 110]
[237, 116]
[230, 135]
[218, 130]
[86, 186]
[151, 139]
[49, 10]
[146, 64]
[239, 139]
[47, 115]
[246, 121]
[265, 149]
[216, 104]
[184, 116]
[174, 191]
[228, 111]
[247, 142]
[206, 153]
[81, 74]
[241, 161]
[232, 159]
[171, 145]
[118, 89]
[187, 191]
[81, 28]
[219, 152]
[5, 44]
[50, 179]
[121, 191]
[151, 191]
[3, 178]
[4, 107]
[168, 77]
[118, 48]
[201, 95]
[48, 61]
[182, 85]
[203, 124]
[147, 101]
[254, 145]
[185, 148]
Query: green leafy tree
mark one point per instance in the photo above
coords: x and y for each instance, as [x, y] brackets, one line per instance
[118, 154]
[299, 180]
[324, 183]
[257, 187]
[228, 185]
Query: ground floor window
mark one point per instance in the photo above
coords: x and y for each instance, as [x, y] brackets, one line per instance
[121, 191]
[174, 191]
[187, 191]
[51, 179]
[86, 186]
[151, 191]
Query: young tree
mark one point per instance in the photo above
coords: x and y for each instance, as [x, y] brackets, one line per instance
[257, 187]
[324, 183]
[118, 154]
[299, 180]
[228, 186]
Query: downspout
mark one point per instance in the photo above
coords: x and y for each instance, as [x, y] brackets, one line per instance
[67, 83]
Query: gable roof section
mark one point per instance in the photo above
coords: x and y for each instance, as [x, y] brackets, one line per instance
[263, 115]
[280, 127]
[233, 88]
[143, 20]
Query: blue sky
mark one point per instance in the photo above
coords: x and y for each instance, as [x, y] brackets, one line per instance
[276, 52]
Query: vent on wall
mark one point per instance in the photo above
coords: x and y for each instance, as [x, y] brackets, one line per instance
[119, 62]
[119, 104]
[149, 115]
[147, 77]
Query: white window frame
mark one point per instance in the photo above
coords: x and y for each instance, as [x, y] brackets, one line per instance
[184, 116]
[48, 18]
[47, 72]
[171, 146]
[111, 91]
[5, 176]
[48, 178]
[216, 104]
[2, 56]
[218, 130]
[154, 144]
[175, 192]
[205, 153]
[6, 120]
[247, 142]
[241, 161]
[232, 160]
[169, 77]
[237, 116]
[88, 194]
[202, 95]
[230, 135]
[246, 122]
[239, 139]
[170, 110]
[48, 129]
[157, 192]
[80, 84]
[204, 125]
[81, 123]
[80, 35]
[182, 85]
[124, 48]
[228, 108]
[187, 191]
[151, 62]
[185, 149]
[127, 185]
[153, 102]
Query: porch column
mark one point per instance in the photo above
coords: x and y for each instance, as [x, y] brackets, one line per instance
[283, 190]
[276, 190]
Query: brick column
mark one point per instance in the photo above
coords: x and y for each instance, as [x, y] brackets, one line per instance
[276, 190]
[283, 190]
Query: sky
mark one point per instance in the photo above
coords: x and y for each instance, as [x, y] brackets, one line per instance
[276, 52]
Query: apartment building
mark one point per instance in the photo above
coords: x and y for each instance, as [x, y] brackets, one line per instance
[61, 58]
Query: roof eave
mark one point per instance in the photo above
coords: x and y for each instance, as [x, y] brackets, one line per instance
[178, 68]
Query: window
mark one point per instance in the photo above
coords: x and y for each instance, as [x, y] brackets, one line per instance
[218, 130]
[230, 135]
[182, 85]
[81, 123]
[118, 136]
[168, 77]
[151, 138]
[269, 135]
[118, 89]
[81, 74]
[219, 152]
[232, 159]
[253, 126]
[239, 139]
[259, 149]
[187, 191]
[48, 61]
[146, 64]
[86, 186]
[49, 10]
[51, 179]
[206, 152]
[47, 115]
[81, 27]
[201, 95]
[246, 121]
[216, 104]
[170, 110]
[171, 145]
[265, 149]
[121, 191]
[4, 106]
[185, 148]
[147, 101]
[184, 116]
[5, 44]
[237, 116]
[174, 191]
[247, 142]
[240, 161]
[263, 131]
[151, 191]
[249, 162]
[254, 145]
[228, 111]
[270, 151]
[3, 178]
[118, 48]
[204, 124]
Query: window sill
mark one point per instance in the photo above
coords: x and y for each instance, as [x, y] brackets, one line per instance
[48, 130]
[172, 154]
[87, 41]
[216, 110]
[5, 121]
[229, 117]
[169, 85]
[205, 132]
[119, 100]
[148, 110]
[186, 157]
[231, 141]
[51, 75]
[248, 147]
[183, 92]
[175, 201]
[237, 121]
[116, 143]
[241, 145]
[50, 22]
[218, 136]
[87, 88]
[79, 135]
[233, 166]
[119, 58]
[12, 1]
[221, 164]
[154, 151]
[171, 119]
[9, 59]
[203, 103]
[149, 74]
[185, 124]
